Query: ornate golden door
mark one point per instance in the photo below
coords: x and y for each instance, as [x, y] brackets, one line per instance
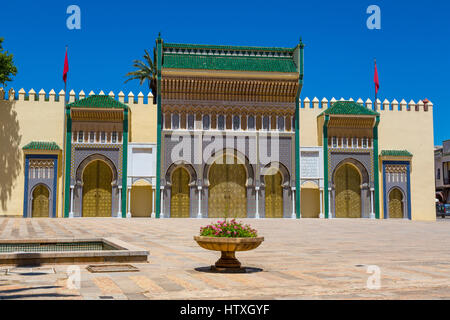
[348, 192]
[40, 205]
[227, 192]
[97, 190]
[395, 204]
[274, 195]
[179, 199]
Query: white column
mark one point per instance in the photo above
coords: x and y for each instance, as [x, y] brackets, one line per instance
[71, 202]
[330, 214]
[372, 214]
[153, 203]
[119, 212]
[257, 203]
[293, 204]
[162, 203]
[129, 203]
[321, 215]
[199, 214]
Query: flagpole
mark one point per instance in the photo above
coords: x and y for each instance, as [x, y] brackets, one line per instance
[63, 164]
[376, 93]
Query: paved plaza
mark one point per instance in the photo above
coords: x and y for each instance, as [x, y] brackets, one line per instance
[300, 259]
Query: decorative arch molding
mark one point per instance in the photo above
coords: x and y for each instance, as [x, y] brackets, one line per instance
[403, 201]
[190, 169]
[398, 188]
[41, 184]
[279, 167]
[314, 182]
[91, 158]
[141, 182]
[242, 159]
[365, 179]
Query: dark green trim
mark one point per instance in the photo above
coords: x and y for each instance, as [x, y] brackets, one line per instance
[67, 164]
[159, 44]
[325, 163]
[124, 163]
[224, 47]
[234, 63]
[396, 153]
[42, 145]
[375, 169]
[299, 57]
[349, 108]
[98, 101]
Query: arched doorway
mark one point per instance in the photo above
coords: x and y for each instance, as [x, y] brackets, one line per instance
[310, 200]
[274, 194]
[97, 190]
[141, 199]
[179, 199]
[396, 204]
[227, 192]
[40, 205]
[347, 180]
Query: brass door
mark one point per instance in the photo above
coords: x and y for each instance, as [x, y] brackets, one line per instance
[395, 204]
[97, 190]
[348, 192]
[274, 196]
[179, 199]
[40, 205]
[227, 192]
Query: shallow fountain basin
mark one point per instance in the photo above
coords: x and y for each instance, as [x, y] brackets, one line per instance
[28, 252]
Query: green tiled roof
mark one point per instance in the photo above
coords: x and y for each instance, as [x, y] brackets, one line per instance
[236, 63]
[222, 47]
[396, 153]
[349, 107]
[41, 145]
[97, 101]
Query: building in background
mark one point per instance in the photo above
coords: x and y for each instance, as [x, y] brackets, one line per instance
[235, 139]
[442, 172]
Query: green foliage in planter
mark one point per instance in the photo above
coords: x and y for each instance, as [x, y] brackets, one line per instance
[228, 229]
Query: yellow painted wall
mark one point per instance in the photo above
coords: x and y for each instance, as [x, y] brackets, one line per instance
[413, 131]
[398, 130]
[20, 123]
[24, 121]
[143, 122]
[310, 202]
[141, 201]
[308, 126]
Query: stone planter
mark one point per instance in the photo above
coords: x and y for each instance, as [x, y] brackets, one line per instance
[228, 247]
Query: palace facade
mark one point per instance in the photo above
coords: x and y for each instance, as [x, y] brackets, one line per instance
[228, 136]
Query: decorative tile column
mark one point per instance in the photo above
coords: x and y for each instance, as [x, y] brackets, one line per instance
[71, 201]
[119, 212]
[199, 214]
[321, 215]
[129, 203]
[257, 203]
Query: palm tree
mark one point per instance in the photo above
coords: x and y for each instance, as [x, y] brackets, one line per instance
[145, 70]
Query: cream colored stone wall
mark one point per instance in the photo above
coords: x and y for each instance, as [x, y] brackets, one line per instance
[25, 121]
[410, 128]
[20, 123]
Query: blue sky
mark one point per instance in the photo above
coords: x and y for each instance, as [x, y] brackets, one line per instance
[412, 48]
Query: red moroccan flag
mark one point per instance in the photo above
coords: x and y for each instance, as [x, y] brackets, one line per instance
[375, 79]
[66, 68]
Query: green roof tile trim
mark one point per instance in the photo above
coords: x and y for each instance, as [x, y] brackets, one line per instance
[41, 145]
[396, 153]
[233, 63]
[349, 107]
[97, 101]
[222, 47]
